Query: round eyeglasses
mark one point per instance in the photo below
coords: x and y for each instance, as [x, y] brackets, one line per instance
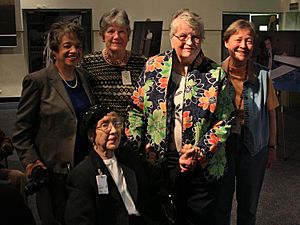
[184, 37]
[106, 126]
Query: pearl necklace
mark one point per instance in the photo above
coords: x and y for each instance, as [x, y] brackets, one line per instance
[76, 81]
[118, 62]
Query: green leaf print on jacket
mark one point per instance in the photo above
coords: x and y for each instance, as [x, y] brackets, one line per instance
[200, 129]
[166, 68]
[216, 166]
[191, 89]
[222, 132]
[136, 124]
[156, 126]
[147, 87]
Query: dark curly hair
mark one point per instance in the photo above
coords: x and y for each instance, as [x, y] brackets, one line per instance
[59, 29]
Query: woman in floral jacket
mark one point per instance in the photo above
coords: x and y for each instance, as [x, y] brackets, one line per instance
[179, 118]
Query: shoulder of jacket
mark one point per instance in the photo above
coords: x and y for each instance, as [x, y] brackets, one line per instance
[163, 56]
[84, 167]
[39, 76]
[261, 70]
[212, 63]
[259, 67]
[217, 71]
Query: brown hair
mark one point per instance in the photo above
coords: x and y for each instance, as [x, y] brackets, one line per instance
[236, 26]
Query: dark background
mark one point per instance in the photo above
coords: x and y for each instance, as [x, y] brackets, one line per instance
[139, 37]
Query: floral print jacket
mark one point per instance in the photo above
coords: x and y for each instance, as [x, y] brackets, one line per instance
[206, 115]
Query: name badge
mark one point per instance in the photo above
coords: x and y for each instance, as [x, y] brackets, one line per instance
[126, 78]
[102, 184]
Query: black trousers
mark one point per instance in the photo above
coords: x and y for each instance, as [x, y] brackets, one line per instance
[196, 198]
[136, 220]
[245, 175]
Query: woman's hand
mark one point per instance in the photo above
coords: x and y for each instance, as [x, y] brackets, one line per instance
[31, 166]
[151, 155]
[188, 160]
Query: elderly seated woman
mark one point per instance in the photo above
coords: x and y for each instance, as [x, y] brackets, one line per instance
[110, 186]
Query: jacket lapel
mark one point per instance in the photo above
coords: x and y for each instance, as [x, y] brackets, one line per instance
[58, 85]
[251, 73]
[99, 164]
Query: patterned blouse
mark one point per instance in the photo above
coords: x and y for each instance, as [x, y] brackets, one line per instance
[107, 83]
[207, 111]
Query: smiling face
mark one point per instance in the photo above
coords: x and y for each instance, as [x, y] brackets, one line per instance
[116, 38]
[187, 50]
[107, 136]
[69, 51]
[240, 46]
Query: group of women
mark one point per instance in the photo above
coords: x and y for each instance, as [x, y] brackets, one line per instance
[197, 130]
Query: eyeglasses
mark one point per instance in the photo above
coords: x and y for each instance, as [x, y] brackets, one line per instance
[184, 37]
[106, 126]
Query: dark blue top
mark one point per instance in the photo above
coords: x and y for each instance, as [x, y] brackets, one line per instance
[81, 104]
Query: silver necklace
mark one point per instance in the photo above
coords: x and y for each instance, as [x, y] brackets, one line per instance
[76, 81]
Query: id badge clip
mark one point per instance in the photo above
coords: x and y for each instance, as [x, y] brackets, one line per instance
[126, 78]
[102, 183]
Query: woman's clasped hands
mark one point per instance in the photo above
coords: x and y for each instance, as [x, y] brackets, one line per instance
[189, 157]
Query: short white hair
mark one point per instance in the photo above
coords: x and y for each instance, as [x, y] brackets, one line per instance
[191, 18]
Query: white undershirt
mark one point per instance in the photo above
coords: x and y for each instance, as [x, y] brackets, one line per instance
[118, 176]
[178, 102]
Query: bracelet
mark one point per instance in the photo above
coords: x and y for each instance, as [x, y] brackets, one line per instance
[271, 146]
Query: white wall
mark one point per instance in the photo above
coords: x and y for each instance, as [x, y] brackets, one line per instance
[13, 62]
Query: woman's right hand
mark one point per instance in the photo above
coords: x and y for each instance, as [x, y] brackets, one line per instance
[31, 166]
[151, 155]
[187, 160]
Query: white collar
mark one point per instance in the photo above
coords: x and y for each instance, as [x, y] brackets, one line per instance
[110, 161]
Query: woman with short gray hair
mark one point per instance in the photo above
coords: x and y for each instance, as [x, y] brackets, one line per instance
[191, 18]
[114, 16]
[114, 70]
[179, 119]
